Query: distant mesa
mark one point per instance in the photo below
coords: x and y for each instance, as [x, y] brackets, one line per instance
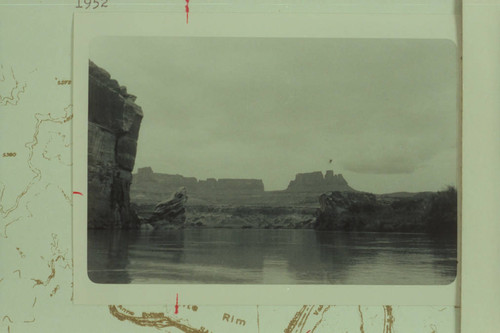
[315, 182]
[170, 183]
[150, 186]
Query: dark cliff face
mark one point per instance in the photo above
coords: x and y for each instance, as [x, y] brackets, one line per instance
[114, 122]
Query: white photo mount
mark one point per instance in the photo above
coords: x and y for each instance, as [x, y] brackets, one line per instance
[90, 26]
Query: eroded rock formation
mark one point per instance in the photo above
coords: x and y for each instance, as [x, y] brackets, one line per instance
[170, 213]
[114, 122]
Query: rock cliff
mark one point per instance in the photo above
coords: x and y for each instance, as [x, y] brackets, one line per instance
[113, 130]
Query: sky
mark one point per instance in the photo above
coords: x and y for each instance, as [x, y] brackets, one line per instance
[383, 112]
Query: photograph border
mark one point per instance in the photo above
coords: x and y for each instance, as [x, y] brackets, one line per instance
[89, 26]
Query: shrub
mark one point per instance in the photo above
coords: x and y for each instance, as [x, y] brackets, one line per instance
[441, 214]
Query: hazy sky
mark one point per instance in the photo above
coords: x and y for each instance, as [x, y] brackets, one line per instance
[384, 111]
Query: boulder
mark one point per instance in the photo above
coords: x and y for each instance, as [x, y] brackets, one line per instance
[170, 213]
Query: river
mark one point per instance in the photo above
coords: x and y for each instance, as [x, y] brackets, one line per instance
[251, 256]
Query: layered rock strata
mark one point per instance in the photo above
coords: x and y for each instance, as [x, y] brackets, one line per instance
[113, 130]
[146, 181]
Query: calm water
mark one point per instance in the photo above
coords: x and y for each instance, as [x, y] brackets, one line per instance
[269, 257]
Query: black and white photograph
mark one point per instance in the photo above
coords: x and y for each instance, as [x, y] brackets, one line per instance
[273, 161]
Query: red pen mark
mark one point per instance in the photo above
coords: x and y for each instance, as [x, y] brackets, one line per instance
[176, 303]
[187, 11]
[78, 193]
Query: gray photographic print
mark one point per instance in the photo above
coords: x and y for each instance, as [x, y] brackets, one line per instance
[298, 161]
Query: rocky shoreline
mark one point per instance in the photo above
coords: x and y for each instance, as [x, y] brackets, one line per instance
[242, 217]
[430, 212]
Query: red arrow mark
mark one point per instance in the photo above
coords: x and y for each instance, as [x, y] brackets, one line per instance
[78, 193]
[187, 11]
[176, 303]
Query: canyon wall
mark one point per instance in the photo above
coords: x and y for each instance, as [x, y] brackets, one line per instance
[114, 122]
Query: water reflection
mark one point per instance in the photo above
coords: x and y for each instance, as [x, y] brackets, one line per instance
[269, 257]
[108, 255]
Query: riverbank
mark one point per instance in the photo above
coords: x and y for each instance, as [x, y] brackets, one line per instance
[244, 217]
[429, 212]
